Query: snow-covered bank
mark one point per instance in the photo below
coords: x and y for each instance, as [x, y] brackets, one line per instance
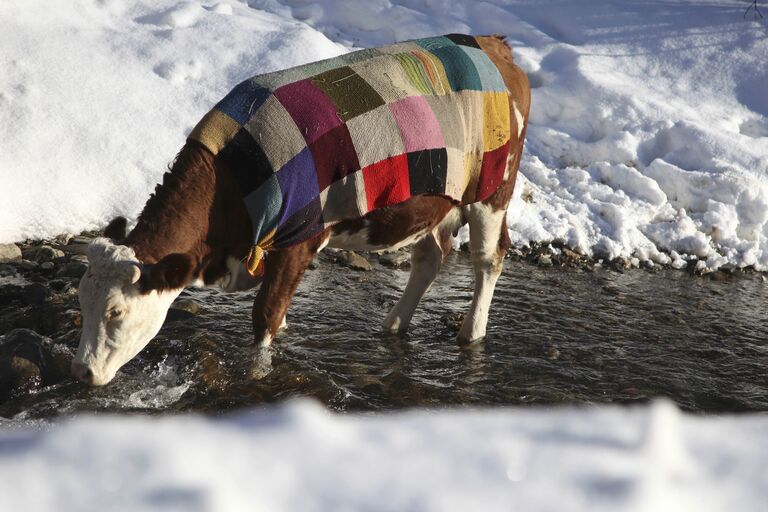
[299, 457]
[648, 134]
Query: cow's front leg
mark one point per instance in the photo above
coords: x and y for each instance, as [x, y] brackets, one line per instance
[282, 272]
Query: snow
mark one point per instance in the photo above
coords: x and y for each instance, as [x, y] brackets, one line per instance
[648, 135]
[298, 456]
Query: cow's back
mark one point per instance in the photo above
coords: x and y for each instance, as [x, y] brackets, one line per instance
[339, 138]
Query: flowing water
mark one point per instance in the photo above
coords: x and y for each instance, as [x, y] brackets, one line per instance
[555, 336]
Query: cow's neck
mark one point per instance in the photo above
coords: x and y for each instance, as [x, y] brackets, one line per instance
[176, 217]
[198, 210]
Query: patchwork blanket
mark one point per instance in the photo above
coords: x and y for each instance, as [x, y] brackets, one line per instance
[332, 140]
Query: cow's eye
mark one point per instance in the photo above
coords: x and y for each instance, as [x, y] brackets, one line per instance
[115, 314]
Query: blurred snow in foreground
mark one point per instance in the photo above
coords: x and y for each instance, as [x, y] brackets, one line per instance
[300, 457]
[648, 134]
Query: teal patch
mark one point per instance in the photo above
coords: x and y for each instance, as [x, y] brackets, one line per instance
[264, 205]
[460, 68]
[433, 43]
[490, 77]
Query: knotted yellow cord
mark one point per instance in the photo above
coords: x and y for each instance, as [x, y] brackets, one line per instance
[255, 261]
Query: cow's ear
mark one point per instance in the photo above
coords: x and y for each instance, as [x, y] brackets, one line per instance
[172, 272]
[116, 230]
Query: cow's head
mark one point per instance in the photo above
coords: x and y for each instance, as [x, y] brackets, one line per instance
[123, 304]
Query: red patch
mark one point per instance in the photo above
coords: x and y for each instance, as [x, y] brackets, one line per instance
[387, 182]
[492, 172]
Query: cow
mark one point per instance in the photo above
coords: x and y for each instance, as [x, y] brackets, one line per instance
[457, 109]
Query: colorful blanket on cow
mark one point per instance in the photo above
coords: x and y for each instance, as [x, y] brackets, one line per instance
[335, 139]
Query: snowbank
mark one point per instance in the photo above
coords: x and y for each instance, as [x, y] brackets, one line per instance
[648, 134]
[300, 457]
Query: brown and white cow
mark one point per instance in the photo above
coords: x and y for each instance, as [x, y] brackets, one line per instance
[195, 230]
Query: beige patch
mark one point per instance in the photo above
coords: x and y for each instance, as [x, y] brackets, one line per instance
[449, 115]
[344, 199]
[275, 131]
[473, 162]
[471, 107]
[387, 77]
[456, 176]
[375, 136]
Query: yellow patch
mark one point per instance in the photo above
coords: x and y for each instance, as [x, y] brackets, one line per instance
[496, 128]
[215, 130]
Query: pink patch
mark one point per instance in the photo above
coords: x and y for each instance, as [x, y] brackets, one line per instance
[417, 123]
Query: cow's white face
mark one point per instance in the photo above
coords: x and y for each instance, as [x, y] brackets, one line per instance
[121, 312]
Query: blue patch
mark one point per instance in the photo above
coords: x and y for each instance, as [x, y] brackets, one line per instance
[243, 101]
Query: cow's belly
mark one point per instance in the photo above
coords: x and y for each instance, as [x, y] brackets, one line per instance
[396, 226]
[362, 240]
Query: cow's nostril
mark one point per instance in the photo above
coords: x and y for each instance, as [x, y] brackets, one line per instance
[82, 373]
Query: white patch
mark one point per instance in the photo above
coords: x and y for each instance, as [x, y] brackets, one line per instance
[359, 241]
[265, 341]
[508, 170]
[519, 118]
[426, 260]
[238, 278]
[118, 320]
[484, 228]
[323, 245]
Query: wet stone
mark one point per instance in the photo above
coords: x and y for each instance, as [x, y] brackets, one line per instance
[28, 265]
[453, 321]
[29, 360]
[42, 254]
[545, 260]
[398, 260]
[74, 269]
[182, 309]
[35, 293]
[80, 239]
[355, 261]
[47, 266]
[7, 270]
[10, 253]
[64, 239]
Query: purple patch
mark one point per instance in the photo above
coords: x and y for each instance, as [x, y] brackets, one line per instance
[311, 109]
[298, 183]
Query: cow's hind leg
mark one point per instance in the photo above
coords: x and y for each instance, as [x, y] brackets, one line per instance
[489, 242]
[427, 257]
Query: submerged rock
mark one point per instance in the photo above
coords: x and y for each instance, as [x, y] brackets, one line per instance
[29, 360]
[74, 269]
[182, 309]
[10, 253]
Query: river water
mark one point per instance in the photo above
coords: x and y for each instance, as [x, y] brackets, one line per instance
[556, 335]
